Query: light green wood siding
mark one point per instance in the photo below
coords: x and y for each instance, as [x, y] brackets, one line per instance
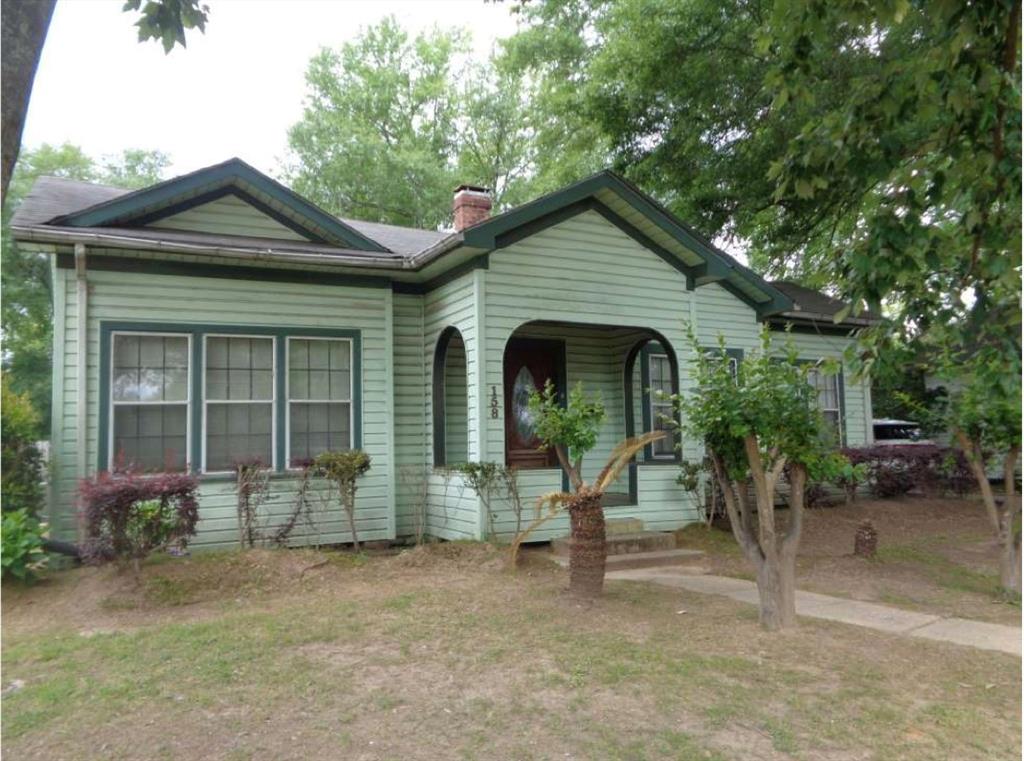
[857, 392]
[452, 510]
[585, 270]
[411, 422]
[160, 298]
[228, 216]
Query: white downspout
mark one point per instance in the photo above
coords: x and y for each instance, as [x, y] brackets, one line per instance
[82, 402]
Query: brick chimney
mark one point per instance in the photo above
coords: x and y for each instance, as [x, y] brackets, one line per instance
[471, 204]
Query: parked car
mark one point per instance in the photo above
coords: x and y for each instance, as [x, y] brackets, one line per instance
[891, 432]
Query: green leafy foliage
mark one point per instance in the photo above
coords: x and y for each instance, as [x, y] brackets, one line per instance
[771, 400]
[393, 123]
[21, 464]
[27, 308]
[343, 469]
[167, 20]
[23, 555]
[571, 429]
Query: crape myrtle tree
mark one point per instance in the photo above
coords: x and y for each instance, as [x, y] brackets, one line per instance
[754, 426]
[985, 418]
[571, 430]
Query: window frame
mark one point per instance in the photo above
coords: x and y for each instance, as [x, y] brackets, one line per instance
[195, 415]
[112, 404]
[840, 391]
[653, 403]
[205, 403]
[288, 396]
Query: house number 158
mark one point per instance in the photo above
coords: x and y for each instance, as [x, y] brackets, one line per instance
[494, 402]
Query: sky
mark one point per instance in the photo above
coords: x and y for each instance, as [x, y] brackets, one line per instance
[234, 91]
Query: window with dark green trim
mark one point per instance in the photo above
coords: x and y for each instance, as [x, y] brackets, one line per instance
[830, 402]
[205, 397]
[659, 393]
[150, 401]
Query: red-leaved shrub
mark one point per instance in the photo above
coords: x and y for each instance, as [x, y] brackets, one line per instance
[894, 471]
[127, 515]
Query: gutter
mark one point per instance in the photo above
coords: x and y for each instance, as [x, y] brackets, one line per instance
[826, 318]
[109, 240]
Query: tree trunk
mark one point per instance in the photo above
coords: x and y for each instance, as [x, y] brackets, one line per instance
[350, 510]
[23, 26]
[587, 547]
[776, 591]
[1002, 519]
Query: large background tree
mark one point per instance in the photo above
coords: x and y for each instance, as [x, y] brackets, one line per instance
[27, 308]
[393, 124]
[23, 32]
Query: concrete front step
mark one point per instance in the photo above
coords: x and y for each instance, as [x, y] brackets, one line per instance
[616, 526]
[624, 544]
[685, 561]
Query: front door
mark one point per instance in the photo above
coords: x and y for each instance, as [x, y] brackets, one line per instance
[529, 363]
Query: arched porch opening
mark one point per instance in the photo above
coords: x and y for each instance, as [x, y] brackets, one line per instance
[450, 399]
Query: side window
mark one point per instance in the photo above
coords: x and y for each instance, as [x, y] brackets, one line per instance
[660, 388]
[319, 397]
[827, 386]
[150, 401]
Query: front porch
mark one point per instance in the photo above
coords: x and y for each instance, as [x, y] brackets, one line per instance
[625, 365]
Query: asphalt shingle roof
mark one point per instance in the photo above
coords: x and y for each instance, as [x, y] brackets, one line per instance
[811, 302]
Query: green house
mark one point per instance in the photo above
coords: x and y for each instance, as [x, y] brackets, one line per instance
[219, 316]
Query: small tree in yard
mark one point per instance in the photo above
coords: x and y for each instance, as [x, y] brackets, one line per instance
[985, 419]
[342, 469]
[572, 431]
[753, 426]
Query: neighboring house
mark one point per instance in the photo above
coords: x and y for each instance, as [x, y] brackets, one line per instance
[220, 316]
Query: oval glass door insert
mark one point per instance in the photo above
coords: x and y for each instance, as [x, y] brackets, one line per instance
[523, 386]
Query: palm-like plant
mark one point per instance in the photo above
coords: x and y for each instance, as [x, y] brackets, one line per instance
[572, 432]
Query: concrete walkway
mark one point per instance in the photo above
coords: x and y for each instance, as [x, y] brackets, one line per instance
[961, 631]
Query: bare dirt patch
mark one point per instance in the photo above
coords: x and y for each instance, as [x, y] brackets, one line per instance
[934, 555]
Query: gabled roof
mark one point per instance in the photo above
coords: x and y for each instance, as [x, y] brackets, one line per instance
[636, 213]
[58, 210]
[233, 177]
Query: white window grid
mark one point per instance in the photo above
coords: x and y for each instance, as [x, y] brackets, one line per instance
[288, 394]
[272, 401]
[187, 403]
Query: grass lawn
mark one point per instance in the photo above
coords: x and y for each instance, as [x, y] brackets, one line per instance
[440, 653]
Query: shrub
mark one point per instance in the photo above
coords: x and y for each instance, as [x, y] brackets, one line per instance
[893, 471]
[23, 555]
[342, 469]
[129, 515]
[20, 461]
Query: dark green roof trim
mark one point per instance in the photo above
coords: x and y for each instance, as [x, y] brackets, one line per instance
[123, 209]
[718, 266]
[227, 271]
[480, 262]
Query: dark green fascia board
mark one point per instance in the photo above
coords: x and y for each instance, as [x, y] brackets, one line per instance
[480, 262]
[121, 209]
[197, 330]
[226, 271]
